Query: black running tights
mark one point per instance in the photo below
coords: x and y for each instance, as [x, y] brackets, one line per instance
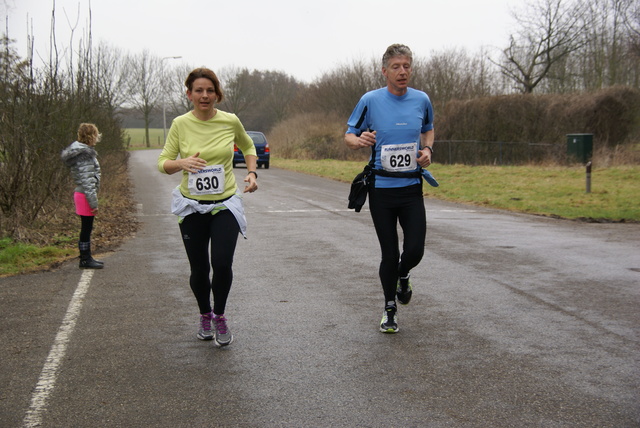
[388, 207]
[221, 231]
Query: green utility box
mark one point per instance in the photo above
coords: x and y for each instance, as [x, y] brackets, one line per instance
[580, 147]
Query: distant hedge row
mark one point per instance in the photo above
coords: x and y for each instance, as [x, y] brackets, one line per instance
[501, 130]
[612, 115]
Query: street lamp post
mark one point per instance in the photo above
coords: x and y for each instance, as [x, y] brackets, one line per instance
[164, 99]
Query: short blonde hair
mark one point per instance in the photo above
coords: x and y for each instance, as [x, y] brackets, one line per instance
[88, 133]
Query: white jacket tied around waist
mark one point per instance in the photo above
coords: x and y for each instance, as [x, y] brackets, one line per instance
[182, 207]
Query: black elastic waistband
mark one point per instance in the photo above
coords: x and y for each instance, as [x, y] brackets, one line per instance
[408, 174]
[203, 202]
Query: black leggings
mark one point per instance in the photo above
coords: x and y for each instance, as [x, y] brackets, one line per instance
[86, 226]
[221, 230]
[388, 207]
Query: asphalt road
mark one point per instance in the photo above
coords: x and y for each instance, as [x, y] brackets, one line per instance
[516, 321]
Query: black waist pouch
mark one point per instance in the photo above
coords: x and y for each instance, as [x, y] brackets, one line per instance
[360, 188]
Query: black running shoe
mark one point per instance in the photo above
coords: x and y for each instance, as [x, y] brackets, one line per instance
[389, 323]
[404, 291]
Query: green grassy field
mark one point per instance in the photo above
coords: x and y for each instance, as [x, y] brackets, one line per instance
[551, 191]
[135, 138]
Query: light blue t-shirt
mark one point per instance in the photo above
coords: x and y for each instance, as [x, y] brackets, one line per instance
[398, 122]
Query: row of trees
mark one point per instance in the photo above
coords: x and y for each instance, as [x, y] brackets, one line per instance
[559, 46]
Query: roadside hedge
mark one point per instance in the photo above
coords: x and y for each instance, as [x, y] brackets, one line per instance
[612, 115]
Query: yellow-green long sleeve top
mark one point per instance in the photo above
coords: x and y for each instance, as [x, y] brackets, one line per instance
[214, 139]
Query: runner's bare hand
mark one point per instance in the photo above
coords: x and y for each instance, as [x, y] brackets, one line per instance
[193, 163]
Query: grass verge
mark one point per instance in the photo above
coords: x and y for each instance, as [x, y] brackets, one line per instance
[16, 257]
[544, 190]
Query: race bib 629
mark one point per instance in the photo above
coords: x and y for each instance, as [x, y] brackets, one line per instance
[399, 157]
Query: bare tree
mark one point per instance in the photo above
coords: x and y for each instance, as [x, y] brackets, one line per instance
[259, 98]
[110, 72]
[632, 22]
[601, 62]
[240, 92]
[453, 75]
[176, 91]
[549, 31]
[145, 86]
[280, 91]
[339, 90]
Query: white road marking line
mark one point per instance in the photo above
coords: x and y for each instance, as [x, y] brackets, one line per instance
[46, 382]
[303, 211]
[347, 210]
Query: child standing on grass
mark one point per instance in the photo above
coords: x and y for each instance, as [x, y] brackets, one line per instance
[81, 157]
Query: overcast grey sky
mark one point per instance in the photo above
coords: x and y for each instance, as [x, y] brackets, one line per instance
[301, 38]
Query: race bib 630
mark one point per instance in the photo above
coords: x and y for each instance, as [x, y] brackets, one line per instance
[207, 181]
